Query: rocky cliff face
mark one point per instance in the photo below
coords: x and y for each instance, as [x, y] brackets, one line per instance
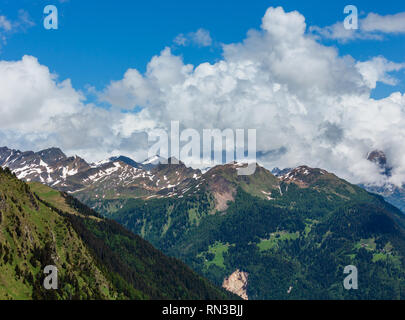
[237, 283]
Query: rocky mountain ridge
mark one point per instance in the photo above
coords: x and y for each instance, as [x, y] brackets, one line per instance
[123, 178]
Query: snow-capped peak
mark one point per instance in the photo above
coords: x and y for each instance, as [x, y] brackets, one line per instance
[155, 160]
[99, 163]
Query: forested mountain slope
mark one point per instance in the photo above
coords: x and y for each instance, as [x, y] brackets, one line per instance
[291, 237]
[96, 258]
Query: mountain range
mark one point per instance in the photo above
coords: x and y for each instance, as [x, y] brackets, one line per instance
[121, 177]
[111, 178]
[286, 235]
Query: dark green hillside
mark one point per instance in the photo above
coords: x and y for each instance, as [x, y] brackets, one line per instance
[293, 246]
[33, 236]
[96, 258]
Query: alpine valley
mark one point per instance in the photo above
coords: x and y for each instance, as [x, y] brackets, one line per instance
[96, 258]
[287, 235]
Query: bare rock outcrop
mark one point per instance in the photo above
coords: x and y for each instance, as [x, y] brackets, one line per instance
[237, 283]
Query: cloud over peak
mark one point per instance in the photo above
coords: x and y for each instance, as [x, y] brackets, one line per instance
[309, 104]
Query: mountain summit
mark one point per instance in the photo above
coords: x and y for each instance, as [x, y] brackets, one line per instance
[378, 157]
[392, 193]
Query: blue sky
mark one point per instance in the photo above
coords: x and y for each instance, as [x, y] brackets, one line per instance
[97, 41]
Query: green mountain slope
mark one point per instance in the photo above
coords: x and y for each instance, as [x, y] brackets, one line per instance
[292, 236]
[96, 258]
[33, 236]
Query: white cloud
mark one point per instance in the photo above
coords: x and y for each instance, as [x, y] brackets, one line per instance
[201, 38]
[30, 95]
[37, 111]
[373, 26]
[386, 24]
[377, 69]
[181, 40]
[8, 27]
[338, 32]
[308, 104]
[5, 24]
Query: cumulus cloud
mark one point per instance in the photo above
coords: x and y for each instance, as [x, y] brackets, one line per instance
[201, 38]
[373, 26]
[30, 96]
[309, 104]
[378, 69]
[38, 110]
